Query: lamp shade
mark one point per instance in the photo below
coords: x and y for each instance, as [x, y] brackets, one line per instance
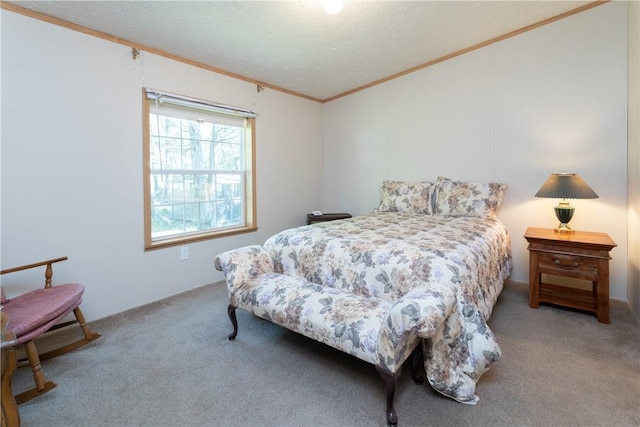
[566, 186]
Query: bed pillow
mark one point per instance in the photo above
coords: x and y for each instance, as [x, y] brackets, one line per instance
[410, 197]
[462, 198]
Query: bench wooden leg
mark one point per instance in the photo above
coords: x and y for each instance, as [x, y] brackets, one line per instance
[231, 310]
[390, 383]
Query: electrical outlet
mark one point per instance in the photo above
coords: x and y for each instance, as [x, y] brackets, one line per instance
[184, 253]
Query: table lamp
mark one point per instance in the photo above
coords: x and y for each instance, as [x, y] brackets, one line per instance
[565, 186]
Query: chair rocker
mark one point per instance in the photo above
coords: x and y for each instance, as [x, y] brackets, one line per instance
[38, 311]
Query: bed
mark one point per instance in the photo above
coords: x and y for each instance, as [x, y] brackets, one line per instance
[445, 232]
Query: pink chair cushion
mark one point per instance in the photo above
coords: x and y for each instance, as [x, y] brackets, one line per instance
[37, 311]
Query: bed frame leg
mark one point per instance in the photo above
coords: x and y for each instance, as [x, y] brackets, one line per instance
[417, 360]
[231, 310]
[390, 382]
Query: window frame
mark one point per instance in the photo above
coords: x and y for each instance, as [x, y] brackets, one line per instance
[249, 190]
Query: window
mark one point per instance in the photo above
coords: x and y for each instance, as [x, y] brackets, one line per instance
[199, 168]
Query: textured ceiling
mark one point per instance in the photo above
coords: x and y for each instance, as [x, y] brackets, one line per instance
[296, 45]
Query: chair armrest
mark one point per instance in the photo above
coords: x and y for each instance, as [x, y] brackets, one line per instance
[242, 265]
[421, 312]
[48, 274]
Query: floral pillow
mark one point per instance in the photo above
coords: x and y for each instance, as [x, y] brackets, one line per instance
[460, 198]
[411, 197]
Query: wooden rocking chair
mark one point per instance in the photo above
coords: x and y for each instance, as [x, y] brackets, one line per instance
[38, 311]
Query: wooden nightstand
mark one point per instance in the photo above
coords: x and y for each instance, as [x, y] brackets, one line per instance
[311, 218]
[580, 255]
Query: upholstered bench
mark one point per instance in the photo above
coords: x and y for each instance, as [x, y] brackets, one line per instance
[379, 332]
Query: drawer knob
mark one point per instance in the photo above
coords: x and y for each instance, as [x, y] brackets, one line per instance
[566, 266]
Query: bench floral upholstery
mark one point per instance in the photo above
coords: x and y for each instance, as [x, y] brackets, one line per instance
[371, 329]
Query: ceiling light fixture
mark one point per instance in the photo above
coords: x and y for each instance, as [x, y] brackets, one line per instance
[332, 6]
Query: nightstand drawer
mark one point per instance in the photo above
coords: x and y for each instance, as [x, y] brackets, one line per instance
[568, 265]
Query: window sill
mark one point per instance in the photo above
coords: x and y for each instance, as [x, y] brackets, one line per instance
[182, 240]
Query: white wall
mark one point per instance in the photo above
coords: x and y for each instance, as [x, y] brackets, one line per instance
[550, 100]
[72, 164]
[71, 154]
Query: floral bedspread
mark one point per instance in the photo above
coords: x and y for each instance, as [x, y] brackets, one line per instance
[387, 254]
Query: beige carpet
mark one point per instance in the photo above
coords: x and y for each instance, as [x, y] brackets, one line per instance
[170, 364]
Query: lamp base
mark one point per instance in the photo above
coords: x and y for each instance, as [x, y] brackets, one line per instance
[564, 228]
[564, 213]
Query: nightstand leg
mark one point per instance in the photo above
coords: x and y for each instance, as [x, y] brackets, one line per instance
[602, 289]
[534, 280]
